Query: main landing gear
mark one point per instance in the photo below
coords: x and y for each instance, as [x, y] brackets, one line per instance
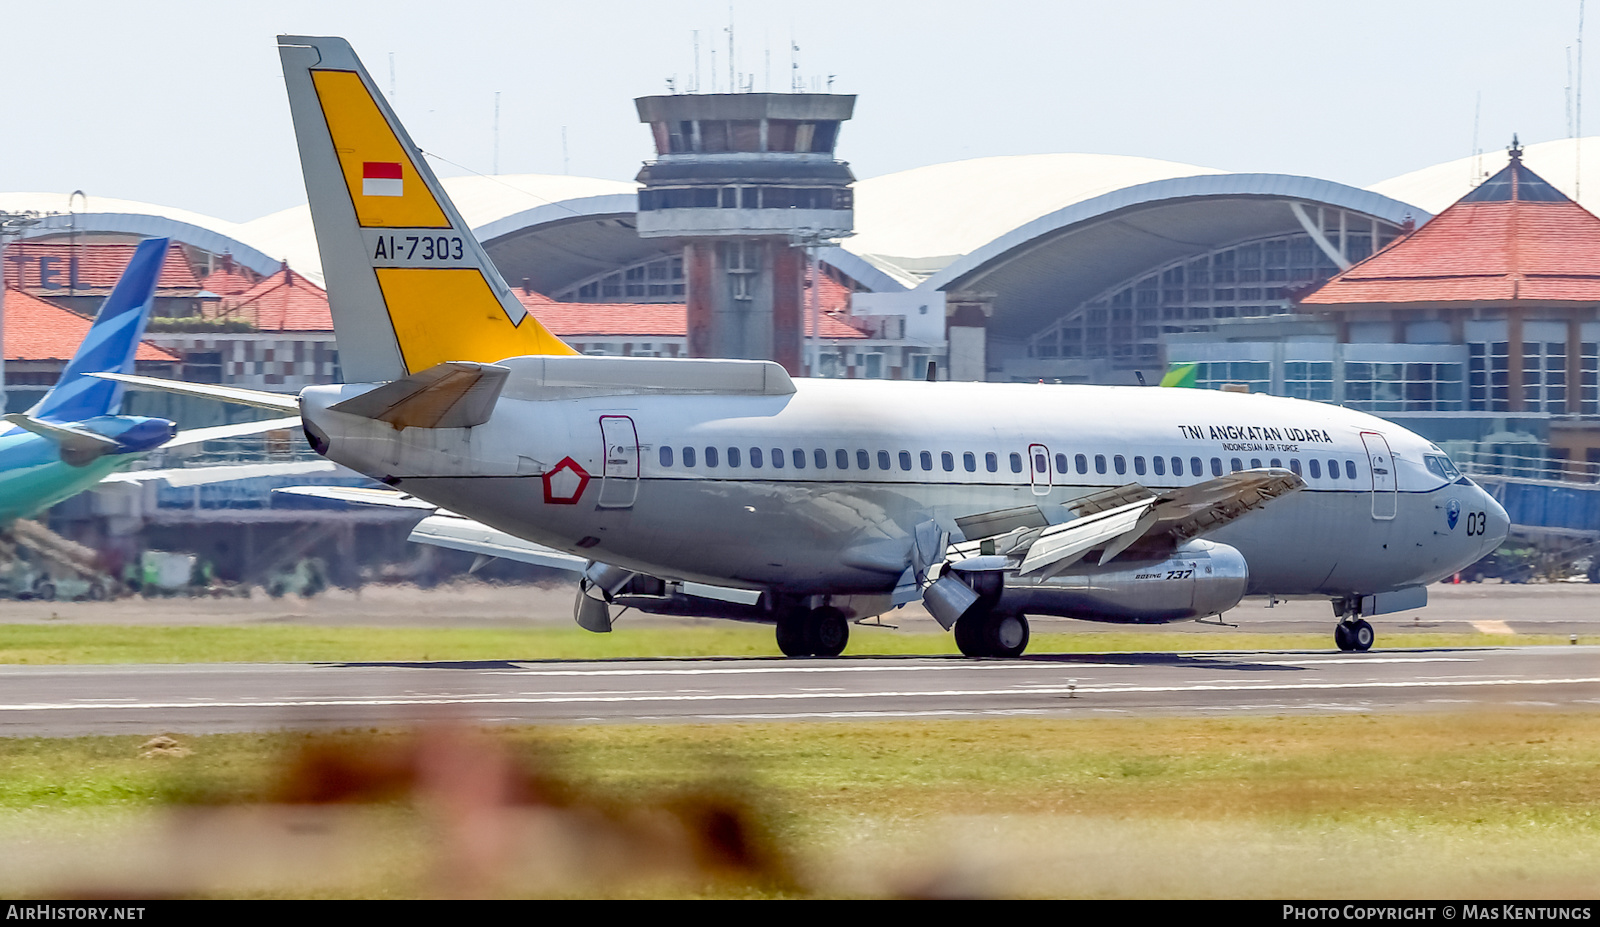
[985, 632]
[1354, 634]
[813, 632]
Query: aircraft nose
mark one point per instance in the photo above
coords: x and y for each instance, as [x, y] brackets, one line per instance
[1497, 524]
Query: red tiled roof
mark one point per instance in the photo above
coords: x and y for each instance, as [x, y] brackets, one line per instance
[619, 320]
[44, 268]
[37, 329]
[283, 302]
[1513, 239]
[228, 281]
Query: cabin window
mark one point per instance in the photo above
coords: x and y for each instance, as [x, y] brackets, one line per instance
[863, 460]
[1016, 462]
[1216, 466]
[1255, 463]
[883, 460]
[1099, 463]
[991, 462]
[1235, 465]
[969, 460]
[733, 457]
[1041, 466]
[666, 456]
[777, 458]
[927, 460]
[1294, 464]
[798, 458]
[841, 459]
[711, 457]
[820, 457]
[905, 460]
[1350, 469]
[1082, 462]
[1316, 469]
[1277, 464]
[1333, 469]
[1177, 466]
[755, 458]
[1120, 463]
[1160, 464]
[1138, 466]
[688, 457]
[1195, 469]
[1061, 463]
[947, 460]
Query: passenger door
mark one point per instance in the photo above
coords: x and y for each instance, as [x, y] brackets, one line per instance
[1385, 487]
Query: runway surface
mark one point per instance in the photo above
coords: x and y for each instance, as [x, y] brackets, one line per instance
[74, 700]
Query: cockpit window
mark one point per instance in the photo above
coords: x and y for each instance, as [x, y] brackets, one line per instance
[1440, 466]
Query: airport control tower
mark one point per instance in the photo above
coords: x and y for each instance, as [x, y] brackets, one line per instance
[747, 181]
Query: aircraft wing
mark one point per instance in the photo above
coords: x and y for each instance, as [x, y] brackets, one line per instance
[200, 476]
[456, 533]
[218, 432]
[1115, 520]
[281, 402]
[361, 495]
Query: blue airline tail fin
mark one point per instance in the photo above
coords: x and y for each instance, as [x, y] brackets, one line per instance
[110, 345]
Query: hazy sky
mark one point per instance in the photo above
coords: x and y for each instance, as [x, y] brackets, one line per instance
[182, 103]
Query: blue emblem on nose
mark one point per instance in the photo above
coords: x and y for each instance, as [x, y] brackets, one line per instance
[1452, 513]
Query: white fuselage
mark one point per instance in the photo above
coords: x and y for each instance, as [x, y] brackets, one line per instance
[687, 485]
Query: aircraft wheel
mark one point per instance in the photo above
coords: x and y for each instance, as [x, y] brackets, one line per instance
[1006, 634]
[830, 631]
[794, 634]
[970, 639]
[1362, 636]
[1343, 637]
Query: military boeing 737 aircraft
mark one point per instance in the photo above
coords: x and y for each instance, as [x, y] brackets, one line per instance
[723, 487]
[73, 438]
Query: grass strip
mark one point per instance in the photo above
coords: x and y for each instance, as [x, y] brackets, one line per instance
[55, 644]
[1497, 804]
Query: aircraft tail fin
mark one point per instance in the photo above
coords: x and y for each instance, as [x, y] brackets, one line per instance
[110, 346]
[408, 284]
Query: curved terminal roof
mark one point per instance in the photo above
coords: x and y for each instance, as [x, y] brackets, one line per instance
[915, 222]
[1563, 163]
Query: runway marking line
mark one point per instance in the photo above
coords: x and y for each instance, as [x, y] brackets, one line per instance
[1077, 691]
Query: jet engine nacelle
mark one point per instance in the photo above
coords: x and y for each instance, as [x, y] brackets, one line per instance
[1200, 578]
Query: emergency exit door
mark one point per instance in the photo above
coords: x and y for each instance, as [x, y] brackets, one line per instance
[1385, 485]
[619, 477]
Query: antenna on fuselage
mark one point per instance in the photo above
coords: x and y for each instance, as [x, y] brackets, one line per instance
[933, 368]
[1140, 375]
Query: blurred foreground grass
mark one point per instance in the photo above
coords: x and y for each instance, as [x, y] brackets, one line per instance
[283, 643]
[1459, 806]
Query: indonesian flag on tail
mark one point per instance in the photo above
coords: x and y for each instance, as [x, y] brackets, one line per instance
[382, 178]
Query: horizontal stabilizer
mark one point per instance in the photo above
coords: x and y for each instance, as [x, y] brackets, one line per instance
[464, 534]
[455, 394]
[70, 438]
[261, 399]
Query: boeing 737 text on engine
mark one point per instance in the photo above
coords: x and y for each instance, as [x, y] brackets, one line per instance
[727, 488]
